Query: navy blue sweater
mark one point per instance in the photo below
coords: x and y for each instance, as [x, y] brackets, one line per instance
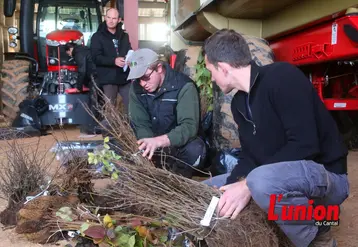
[283, 119]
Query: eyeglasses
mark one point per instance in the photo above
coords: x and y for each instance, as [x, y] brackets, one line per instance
[146, 77]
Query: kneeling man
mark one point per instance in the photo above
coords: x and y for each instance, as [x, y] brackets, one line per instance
[164, 111]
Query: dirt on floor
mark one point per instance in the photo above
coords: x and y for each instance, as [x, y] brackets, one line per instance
[345, 233]
[8, 238]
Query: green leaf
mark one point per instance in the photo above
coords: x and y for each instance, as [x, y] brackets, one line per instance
[207, 73]
[139, 242]
[123, 240]
[118, 229]
[106, 146]
[106, 139]
[66, 210]
[84, 227]
[156, 223]
[163, 239]
[65, 213]
[200, 73]
[91, 159]
[200, 57]
[114, 176]
[131, 241]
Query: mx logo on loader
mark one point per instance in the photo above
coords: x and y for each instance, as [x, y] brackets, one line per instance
[65, 107]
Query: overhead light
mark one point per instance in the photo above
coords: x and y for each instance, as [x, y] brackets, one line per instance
[12, 30]
[12, 44]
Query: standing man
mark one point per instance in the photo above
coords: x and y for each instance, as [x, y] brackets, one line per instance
[290, 143]
[109, 46]
[165, 113]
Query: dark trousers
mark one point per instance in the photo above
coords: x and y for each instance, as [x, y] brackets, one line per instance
[111, 92]
[182, 160]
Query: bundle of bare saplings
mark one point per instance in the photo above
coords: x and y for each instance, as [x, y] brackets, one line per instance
[141, 206]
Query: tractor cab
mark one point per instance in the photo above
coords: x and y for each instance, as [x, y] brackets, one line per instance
[62, 21]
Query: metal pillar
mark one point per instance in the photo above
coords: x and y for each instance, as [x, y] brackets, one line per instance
[131, 21]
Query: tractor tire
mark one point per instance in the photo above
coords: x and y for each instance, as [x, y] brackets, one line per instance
[14, 85]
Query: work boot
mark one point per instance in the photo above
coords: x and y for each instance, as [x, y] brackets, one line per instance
[324, 238]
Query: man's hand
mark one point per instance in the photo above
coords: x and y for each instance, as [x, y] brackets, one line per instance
[150, 145]
[120, 61]
[235, 198]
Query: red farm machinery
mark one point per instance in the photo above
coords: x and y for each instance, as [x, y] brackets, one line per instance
[328, 53]
[41, 73]
[320, 38]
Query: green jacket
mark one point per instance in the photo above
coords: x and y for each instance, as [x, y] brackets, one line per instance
[173, 110]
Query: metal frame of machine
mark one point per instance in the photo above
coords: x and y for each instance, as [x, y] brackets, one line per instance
[328, 52]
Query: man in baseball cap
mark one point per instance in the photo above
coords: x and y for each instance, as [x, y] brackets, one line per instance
[164, 112]
[140, 61]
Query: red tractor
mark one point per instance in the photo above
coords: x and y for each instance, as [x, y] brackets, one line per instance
[42, 69]
[327, 52]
